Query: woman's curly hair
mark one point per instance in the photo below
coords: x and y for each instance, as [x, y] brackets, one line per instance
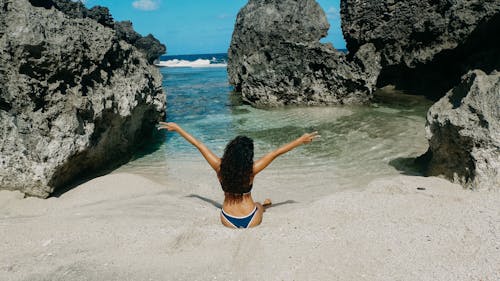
[237, 166]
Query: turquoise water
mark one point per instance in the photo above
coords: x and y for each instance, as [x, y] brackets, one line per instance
[357, 145]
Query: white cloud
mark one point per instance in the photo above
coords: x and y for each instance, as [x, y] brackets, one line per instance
[223, 16]
[146, 5]
[332, 13]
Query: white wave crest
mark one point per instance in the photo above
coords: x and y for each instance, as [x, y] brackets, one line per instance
[186, 63]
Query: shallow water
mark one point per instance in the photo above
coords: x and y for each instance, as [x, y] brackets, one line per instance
[357, 145]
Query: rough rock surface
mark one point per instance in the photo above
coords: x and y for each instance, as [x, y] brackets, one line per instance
[149, 45]
[73, 98]
[463, 129]
[275, 58]
[425, 45]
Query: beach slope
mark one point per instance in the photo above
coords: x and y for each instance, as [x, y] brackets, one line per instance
[126, 227]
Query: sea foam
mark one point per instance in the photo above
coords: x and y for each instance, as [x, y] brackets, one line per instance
[187, 63]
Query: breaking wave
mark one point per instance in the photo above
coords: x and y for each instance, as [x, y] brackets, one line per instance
[217, 60]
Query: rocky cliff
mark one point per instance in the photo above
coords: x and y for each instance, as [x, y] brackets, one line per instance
[421, 46]
[425, 46]
[149, 45]
[463, 129]
[275, 58]
[74, 99]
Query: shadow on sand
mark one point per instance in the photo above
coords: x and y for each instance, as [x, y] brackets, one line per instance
[410, 166]
[150, 145]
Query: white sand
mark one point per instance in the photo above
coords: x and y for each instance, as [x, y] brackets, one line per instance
[126, 227]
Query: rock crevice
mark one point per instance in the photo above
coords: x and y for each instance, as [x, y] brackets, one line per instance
[425, 45]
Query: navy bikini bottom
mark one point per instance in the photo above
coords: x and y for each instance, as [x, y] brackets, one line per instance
[240, 222]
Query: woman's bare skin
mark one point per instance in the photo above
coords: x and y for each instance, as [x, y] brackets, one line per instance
[246, 205]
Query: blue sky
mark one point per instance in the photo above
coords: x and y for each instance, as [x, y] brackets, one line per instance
[197, 26]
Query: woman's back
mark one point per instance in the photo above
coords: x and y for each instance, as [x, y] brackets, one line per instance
[236, 171]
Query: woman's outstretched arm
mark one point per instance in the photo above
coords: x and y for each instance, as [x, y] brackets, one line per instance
[211, 158]
[263, 162]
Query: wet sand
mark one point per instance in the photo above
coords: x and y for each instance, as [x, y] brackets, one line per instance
[126, 227]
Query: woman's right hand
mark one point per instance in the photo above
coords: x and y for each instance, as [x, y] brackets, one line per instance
[309, 137]
[170, 126]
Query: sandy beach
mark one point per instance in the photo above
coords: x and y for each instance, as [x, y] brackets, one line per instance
[126, 227]
[385, 83]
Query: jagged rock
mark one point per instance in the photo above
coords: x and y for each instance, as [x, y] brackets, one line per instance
[125, 31]
[425, 45]
[73, 98]
[76, 10]
[463, 129]
[73, 9]
[148, 45]
[275, 58]
[151, 47]
[101, 15]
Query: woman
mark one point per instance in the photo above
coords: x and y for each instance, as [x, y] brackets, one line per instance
[236, 171]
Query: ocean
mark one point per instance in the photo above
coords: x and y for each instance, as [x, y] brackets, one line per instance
[357, 144]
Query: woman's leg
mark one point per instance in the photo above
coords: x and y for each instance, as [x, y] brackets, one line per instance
[261, 208]
[267, 203]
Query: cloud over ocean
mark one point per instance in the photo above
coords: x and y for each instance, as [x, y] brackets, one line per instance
[146, 5]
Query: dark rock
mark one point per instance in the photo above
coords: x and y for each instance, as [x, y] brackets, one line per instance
[101, 15]
[463, 129]
[125, 31]
[76, 10]
[420, 46]
[425, 45]
[149, 45]
[275, 58]
[74, 99]
[73, 9]
[47, 4]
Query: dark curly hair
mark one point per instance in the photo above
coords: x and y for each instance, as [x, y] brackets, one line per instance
[236, 166]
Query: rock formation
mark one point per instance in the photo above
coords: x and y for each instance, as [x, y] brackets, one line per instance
[463, 129]
[149, 45]
[425, 45]
[275, 58]
[76, 10]
[421, 46]
[74, 99]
